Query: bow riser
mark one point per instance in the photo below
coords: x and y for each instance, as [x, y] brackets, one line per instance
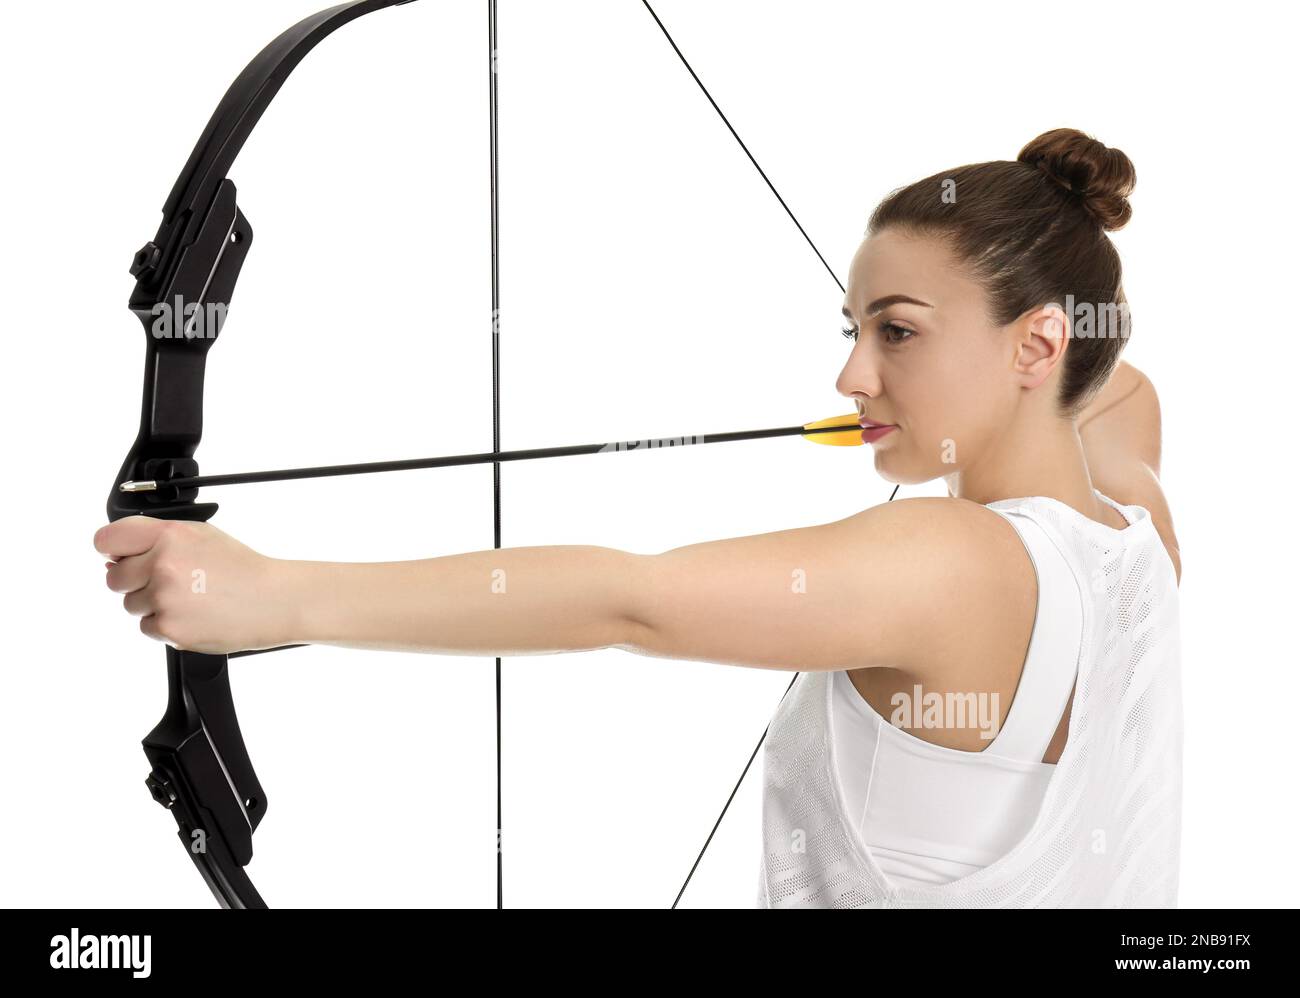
[200, 768]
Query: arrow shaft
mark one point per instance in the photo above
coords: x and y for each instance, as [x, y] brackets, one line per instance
[486, 457]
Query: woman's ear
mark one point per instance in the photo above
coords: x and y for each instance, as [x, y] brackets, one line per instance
[1042, 336]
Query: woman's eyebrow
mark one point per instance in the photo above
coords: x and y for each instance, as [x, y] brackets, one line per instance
[880, 304]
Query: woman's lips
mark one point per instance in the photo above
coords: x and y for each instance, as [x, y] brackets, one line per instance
[870, 434]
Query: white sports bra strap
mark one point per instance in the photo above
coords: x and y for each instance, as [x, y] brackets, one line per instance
[1052, 661]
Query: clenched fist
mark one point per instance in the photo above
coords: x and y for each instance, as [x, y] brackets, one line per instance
[195, 587]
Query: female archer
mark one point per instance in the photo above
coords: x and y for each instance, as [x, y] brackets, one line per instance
[989, 709]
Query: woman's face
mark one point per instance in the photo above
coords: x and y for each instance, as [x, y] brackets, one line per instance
[926, 359]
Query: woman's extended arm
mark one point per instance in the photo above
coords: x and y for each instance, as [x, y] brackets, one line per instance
[514, 601]
[876, 588]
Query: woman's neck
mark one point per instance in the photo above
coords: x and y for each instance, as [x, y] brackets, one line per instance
[1047, 460]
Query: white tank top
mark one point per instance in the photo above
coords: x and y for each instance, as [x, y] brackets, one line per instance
[860, 813]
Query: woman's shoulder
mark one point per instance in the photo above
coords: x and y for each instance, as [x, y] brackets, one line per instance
[966, 531]
[981, 583]
[963, 523]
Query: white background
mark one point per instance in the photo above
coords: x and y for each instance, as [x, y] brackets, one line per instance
[651, 287]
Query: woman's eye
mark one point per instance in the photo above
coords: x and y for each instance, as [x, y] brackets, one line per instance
[887, 328]
[891, 331]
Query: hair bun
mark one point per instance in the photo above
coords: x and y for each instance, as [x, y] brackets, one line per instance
[1101, 177]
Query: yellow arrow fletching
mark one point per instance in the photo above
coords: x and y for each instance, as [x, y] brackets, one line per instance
[850, 436]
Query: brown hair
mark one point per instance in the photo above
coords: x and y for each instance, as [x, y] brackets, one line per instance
[1032, 232]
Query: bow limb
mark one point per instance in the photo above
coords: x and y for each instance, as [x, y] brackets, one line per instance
[185, 277]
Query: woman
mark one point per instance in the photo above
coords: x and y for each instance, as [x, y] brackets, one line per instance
[989, 711]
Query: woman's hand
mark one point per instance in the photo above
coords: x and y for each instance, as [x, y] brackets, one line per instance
[195, 587]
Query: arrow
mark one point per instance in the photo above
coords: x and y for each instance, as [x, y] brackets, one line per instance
[838, 431]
